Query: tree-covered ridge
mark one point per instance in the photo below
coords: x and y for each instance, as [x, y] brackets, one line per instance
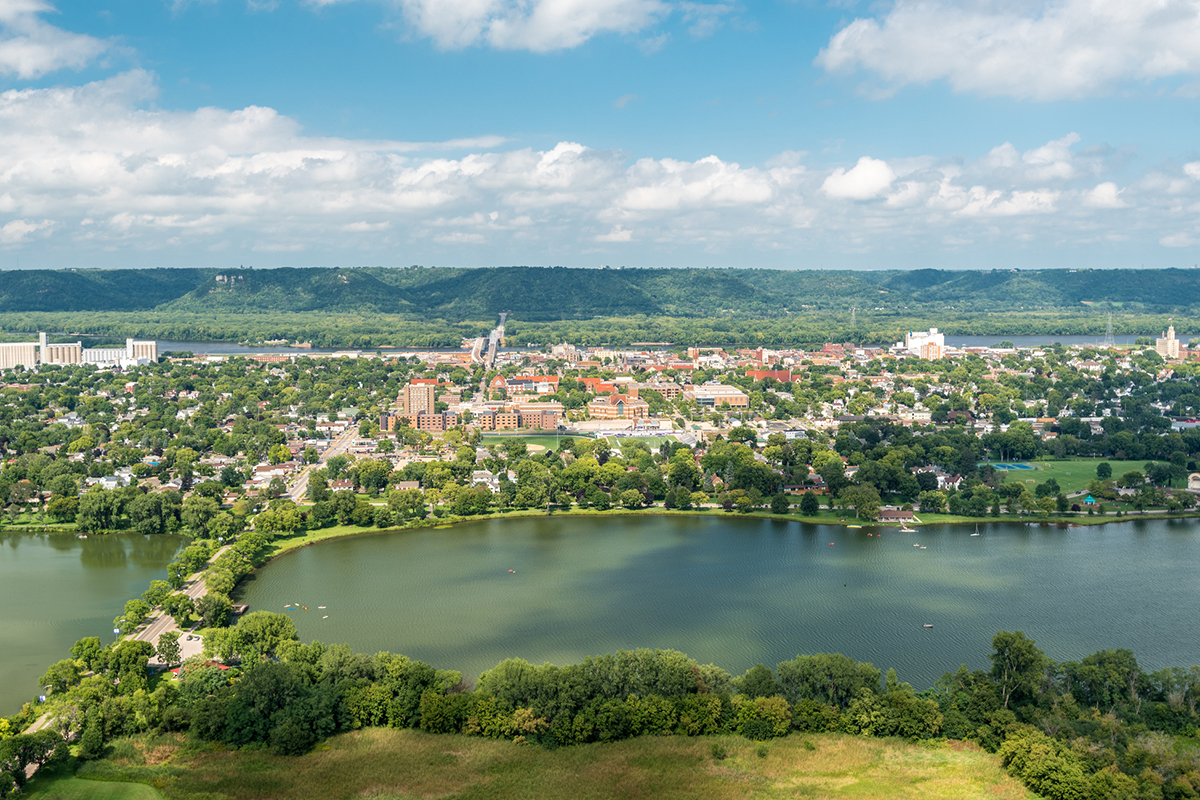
[543, 294]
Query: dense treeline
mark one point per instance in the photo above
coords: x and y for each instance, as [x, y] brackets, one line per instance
[368, 331]
[1097, 728]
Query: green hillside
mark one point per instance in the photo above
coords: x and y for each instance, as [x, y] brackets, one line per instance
[547, 294]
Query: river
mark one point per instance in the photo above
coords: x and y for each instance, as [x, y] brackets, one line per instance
[57, 589]
[736, 592]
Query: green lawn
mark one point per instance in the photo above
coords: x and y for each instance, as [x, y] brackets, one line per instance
[388, 764]
[58, 782]
[549, 441]
[1072, 476]
[79, 789]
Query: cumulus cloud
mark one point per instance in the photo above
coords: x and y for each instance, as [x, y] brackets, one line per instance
[1105, 195]
[1040, 50]
[31, 47]
[20, 230]
[868, 179]
[537, 25]
[95, 168]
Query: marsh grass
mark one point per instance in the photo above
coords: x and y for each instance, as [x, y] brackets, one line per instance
[383, 764]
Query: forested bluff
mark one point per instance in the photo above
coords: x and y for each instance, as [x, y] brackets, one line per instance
[438, 306]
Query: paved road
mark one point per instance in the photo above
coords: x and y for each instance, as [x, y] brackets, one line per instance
[158, 624]
[299, 489]
[161, 622]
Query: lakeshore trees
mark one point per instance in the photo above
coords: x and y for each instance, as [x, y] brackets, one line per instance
[1068, 730]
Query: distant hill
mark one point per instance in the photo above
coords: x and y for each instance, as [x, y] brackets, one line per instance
[556, 293]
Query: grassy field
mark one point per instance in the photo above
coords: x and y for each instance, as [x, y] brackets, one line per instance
[549, 441]
[1072, 476]
[58, 783]
[387, 764]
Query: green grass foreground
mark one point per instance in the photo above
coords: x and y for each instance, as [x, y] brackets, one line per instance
[386, 764]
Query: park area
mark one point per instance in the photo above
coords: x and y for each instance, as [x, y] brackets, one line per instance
[1072, 476]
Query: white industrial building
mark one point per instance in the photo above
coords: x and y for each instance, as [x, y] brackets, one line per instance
[929, 346]
[27, 355]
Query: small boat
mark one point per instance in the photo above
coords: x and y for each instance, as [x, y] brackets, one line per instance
[976, 533]
[927, 625]
[831, 544]
[854, 526]
[325, 617]
[320, 606]
[915, 544]
[922, 547]
[904, 529]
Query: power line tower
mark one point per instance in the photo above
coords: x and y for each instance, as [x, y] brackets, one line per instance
[853, 317]
[1109, 341]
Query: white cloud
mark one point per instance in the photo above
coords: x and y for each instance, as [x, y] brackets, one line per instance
[1192, 170]
[537, 25]
[617, 234]
[1177, 240]
[31, 47]
[868, 179]
[1105, 195]
[20, 230]
[94, 169]
[1035, 49]
[703, 19]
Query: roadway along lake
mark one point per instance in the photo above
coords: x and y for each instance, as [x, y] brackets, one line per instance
[57, 589]
[736, 592]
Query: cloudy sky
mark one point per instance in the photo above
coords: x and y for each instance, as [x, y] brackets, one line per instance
[765, 133]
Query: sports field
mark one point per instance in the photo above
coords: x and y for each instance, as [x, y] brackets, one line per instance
[1072, 476]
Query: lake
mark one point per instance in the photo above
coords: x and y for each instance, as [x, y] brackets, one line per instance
[57, 589]
[736, 591]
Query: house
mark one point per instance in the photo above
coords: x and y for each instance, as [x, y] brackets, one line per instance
[342, 485]
[1194, 482]
[895, 515]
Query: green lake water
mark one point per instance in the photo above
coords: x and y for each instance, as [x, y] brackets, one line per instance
[54, 590]
[736, 592]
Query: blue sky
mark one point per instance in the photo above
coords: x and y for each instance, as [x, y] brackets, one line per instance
[780, 133]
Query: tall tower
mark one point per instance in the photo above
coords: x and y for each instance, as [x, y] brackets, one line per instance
[1109, 342]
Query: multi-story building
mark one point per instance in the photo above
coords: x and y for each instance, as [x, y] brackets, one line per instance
[618, 406]
[714, 395]
[418, 398]
[929, 346]
[499, 421]
[421, 421]
[1167, 346]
